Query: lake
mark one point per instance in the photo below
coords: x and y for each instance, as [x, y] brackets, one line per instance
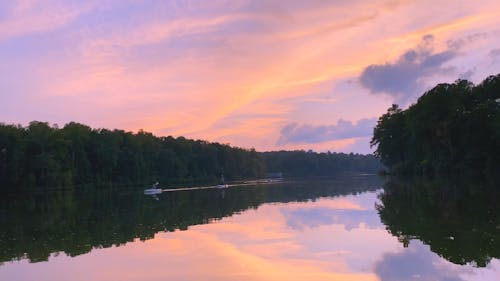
[349, 228]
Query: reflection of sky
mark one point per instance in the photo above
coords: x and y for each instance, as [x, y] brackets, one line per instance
[352, 213]
[418, 263]
[350, 219]
[415, 263]
[328, 239]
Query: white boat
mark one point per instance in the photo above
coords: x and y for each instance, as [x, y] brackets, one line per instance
[153, 190]
[222, 186]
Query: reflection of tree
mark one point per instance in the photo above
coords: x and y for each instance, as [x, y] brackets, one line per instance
[34, 227]
[459, 220]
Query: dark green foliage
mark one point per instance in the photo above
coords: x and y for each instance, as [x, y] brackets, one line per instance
[451, 129]
[312, 164]
[41, 156]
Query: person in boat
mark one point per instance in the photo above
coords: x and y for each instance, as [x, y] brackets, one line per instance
[222, 183]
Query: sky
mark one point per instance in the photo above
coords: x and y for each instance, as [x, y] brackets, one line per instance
[256, 74]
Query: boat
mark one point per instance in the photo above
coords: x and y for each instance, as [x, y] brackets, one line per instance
[153, 190]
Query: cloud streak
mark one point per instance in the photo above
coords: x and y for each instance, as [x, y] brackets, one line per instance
[295, 133]
[26, 17]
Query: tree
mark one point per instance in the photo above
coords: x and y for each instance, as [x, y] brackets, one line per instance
[453, 128]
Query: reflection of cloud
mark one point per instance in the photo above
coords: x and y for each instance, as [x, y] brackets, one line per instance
[295, 133]
[351, 219]
[416, 263]
[254, 245]
[401, 78]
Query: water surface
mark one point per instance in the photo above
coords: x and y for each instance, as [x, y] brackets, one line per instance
[319, 230]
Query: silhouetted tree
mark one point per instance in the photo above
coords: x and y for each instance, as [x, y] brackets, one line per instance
[451, 129]
[44, 156]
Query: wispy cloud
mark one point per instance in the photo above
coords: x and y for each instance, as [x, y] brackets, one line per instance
[164, 30]
[295, 133]
[234, 71]
[25, 17]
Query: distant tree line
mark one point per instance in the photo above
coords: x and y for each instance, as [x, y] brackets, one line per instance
[311, 164]
[41, 155]
[44, 156]
[453, 128]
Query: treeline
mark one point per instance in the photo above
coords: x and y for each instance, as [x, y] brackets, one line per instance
[453, 128]
[312, 164]
[43, 156]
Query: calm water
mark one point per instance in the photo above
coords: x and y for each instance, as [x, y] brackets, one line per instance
[346, 229]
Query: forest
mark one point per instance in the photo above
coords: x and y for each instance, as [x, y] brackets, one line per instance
[451, 129]
[43, 156]
[312, 164]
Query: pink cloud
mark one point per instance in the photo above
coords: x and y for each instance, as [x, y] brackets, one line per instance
[34, 16]
[227, 71]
